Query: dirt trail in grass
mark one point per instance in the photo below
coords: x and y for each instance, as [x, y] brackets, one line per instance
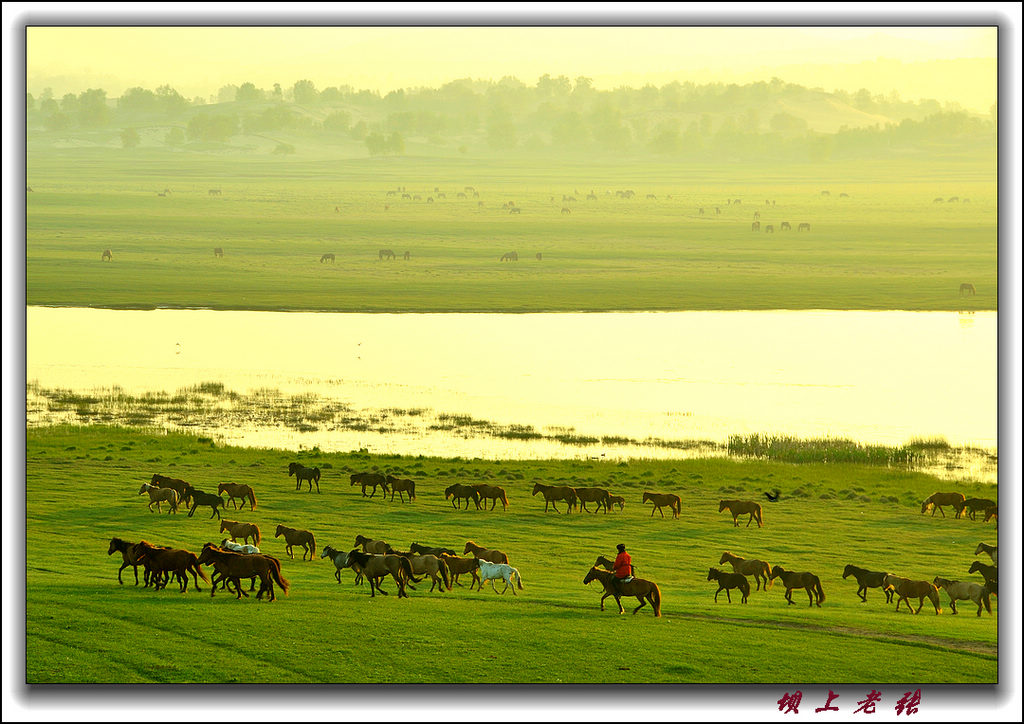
[974, 647]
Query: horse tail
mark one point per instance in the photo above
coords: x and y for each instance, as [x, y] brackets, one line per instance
[275, 571]
[445, 573]
[252, 498]
[821, 591]
[656, 599]
[768, 574]
[194, 565]
[259, 537]
[312, 542]
[519, 579]
[760, 520]
[412, 491]
[316, 472]
[407, 569]
[986, 598]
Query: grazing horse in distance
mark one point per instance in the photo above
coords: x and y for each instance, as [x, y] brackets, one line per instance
[556, 492]
[458, 492]
[803, 227]
[644, 590]
[241, 530]
[593, 495]
[868, 579]
[385, 254]
[406, 256]
[965, 590]
[566, 210]
[218, 251]
[214, 192]
[493, 571]
[784, 226]
[749, 567]
[973, 505]
[989, 573]
[539, 256]
[240, 491]
[756, 226]
[907, 589]
[297, 537]
[510, 256]
[992, 551]
[160, 495]
[400, 486]
[673, 501]
[369, 480]
[200, 498]
[310, 475]
[493, 493]
[727, 581]
[179, 485]
[769, 229]
[792, 580]
[327, 257]
[106, 255]
[491, 555]
[937, 500]
[739, 507]
[966, 288]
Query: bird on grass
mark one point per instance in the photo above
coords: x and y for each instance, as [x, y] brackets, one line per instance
[773, 496]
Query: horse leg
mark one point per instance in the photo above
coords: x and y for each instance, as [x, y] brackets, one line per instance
[863, 593]
[810, 597]
[952, 605]
[644, 603]
[735, 523]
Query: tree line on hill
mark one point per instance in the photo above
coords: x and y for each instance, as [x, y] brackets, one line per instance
[713, 121]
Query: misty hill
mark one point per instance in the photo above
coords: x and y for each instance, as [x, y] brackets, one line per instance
[555, 117]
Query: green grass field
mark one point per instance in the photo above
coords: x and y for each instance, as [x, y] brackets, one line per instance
[887, 245]
[82, 627]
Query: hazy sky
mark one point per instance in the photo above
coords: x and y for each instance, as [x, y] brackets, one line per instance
[199, 60]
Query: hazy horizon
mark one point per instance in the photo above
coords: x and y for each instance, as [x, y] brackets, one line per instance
[948, 64]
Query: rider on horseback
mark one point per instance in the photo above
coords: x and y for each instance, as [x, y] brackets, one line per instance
[623, 568]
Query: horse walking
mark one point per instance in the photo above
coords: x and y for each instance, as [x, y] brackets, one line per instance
[491, 555]
[238, 490]
[162, 481]
[106, 255]
[301, 472]
[493, 493]
[972, 506]
[593, 495]
[399, 485]
[160, 495]
[673, 501]
[200, 498]
[494, 571]
[645, 591]
[793, 580]
[553, 493]
[760, 570]
[868, 579]
[369, 480]
[739, 507]
[459, 492]
[727, 581]
[241, 530]
[907, 589]
[965, 590]
[297, 537]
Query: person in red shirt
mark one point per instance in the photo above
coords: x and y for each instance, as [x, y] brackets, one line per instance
[622, 567]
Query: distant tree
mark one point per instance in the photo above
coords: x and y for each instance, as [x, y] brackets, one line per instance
[338, 122]
[331, 95]
[57, 121]
[69, 103]
[666, 139]
[175, 137]
[92, 108]
[137, 100]
[46, 95]
[130, 138]
[227, 94]
[248, 92]
[787, 123]
[277, 91]
[212, 127]
[359, 131]
[48, 106]
[304, 92]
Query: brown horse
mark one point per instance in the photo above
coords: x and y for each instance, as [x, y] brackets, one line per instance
[968, 289]
[376, 568]
[297, 537]
[106, 255]
[429, 565]
[868, 579]
[327, 257]
[160, 495]
[556, 492]
[907, 589]
[749, 567]
[130, 556]
[727, 581]
[430, 550]
[973, 505]
[218, 252]
[236, 566]
[301, 472]
[492, 493]
[400, 486]
[989, 573]
[369, 480]
[645, 591]
[457, 566]
[792, 580]
[965, 590]
[375, 547]
[385, 254]
[159, 561]
[593, 495]
[937, 500]
[739, 507]
[458, 492]
[673, 501]
[487, 554]
[180, 486]
[240, 491]
[241, 530]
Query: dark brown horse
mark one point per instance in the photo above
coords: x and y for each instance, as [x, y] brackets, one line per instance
[868, 579]
[236, 566]
[553, 493]
[400, 485]
[491, 555]
[727, 581]
[200, 498]
[159, 561]
[493, 493]
[369, 480]
[459, 492]
[792, 580]
[973, 505]
[937, 500]
[297, 537]
[673, 501]
[989, 573]
[458, 565]
[130, 556]
[645, 591]
[431, 550]
[241, 530]
[301, 472]
[218, 251]
[238, 490]
[593, 495]
[376, 568]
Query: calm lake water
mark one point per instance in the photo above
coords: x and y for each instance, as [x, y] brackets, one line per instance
[874, 377]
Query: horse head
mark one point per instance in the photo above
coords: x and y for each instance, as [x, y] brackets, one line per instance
[725, 556]
[592, 575]
[280, 531]
[713, 573]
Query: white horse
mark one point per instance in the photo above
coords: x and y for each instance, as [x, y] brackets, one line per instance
[967, 591]
[493, 571]
[230, 545]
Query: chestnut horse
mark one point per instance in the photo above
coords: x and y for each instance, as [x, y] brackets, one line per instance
[749, 567]
[645, 591]
[238, 490]
[369, 480]
[593, 495]
[236, 566]
[401, 486]
[490, 555]
[739, 507]
[907, 589]
[458, 492]
[672, 500]
[130, 556]
[170, 560]
[457, 566]
[555, 492]
[241, 530]
[376, 568]
[937, 500]
[297, 537]
[375, 547]
[492, 493]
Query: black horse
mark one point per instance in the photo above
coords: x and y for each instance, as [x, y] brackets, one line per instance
[310, 475]
[201, 498]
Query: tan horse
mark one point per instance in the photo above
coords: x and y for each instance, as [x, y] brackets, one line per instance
[372, 546]
[240, 491]
[907, 589]
[488, 554]
[993, 551]
[457, 566]
[552, 493]
[241, 530]
[234, 567]
[792, 580]
[967, 591]
[593, 495]
[727, 581]
[973, 505]
[673, 501]
[492, 493]
[937, 500]
[297, 537]
[739, 507]
[749, 567]
[160, 495]
[430, 565]
[645, 591]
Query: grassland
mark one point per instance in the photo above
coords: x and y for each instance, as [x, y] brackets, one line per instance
[82, 627]
[887, 245]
